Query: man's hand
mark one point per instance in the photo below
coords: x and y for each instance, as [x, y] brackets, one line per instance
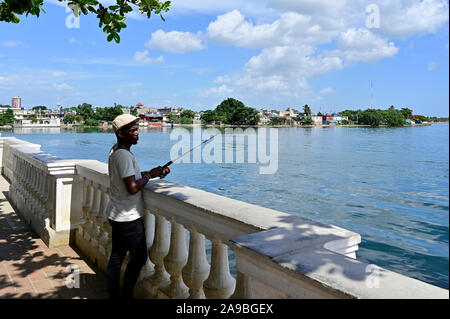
[155, 172]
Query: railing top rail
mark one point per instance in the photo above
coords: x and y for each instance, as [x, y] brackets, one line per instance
[32, 154]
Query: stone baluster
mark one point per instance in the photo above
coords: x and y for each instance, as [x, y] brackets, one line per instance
[34, 179]
[105, 233]
[149, 236]
[41, 194]
[197, 268]
[35, 205]
[175, 261]
[29, 204]
[159, 250]
[88, 226]
[220, 284]
[95, 211]
[47, 190]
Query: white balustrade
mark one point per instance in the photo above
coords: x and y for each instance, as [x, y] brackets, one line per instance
[278, 255]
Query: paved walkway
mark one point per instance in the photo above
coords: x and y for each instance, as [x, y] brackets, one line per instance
[29, 269]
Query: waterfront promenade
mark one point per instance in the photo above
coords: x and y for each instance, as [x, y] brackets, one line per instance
[29, 269]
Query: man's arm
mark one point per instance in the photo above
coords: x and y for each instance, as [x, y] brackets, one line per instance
[133, 186]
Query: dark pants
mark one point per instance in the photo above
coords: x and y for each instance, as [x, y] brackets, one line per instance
[126, 237]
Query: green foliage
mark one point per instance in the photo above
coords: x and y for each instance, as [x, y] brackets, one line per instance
[91, 122]
[307, 110]
[236, 113]
[39, 108]
[376, 117]
[209, 116]
[108, 113]
[393, 117]
[85, 111]
[186, 120]
[307, 121]
[32, 118]
[438, 119]
[173, 117]
[371, 117]
[188, 114]
[276, 120]
[419, 118]
[407, 113]
[7, 117]
[91, 118]
[69, 118]
[111, 17]
[352, 115]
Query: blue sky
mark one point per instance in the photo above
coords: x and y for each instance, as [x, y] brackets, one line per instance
[267, 53]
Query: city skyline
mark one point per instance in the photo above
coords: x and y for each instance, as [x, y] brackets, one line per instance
[276, 53]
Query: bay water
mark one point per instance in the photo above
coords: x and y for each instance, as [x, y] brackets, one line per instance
[388, 184]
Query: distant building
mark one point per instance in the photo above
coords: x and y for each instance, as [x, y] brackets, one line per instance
[16, 102]
[333, 119]
[176, 111]
[317, 119]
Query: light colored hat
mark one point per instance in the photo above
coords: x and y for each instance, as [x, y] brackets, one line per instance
[123, 120]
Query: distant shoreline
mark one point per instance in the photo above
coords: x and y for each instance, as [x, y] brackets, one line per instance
[109, 127]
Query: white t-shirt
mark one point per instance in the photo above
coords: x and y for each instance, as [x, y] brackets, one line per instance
[123, 207]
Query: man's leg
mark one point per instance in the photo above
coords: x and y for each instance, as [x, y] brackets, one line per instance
[118, 253]
[137, 247]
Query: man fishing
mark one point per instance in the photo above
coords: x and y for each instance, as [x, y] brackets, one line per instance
[126, 207]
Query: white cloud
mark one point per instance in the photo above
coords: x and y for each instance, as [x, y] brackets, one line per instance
[234, 29]
[134, 85]
[11, 44]
[405, 18]
[223, 79]
[327, 90]
[296, 61]
[175, 41]
[323, 7]
[257, 8]
[142, 57]
[282, 70]
[432, 66]
[356, 45]
[220, 91]
[57, 74]
[62, 86]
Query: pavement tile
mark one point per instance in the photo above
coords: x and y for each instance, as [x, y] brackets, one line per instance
[43, 286]
[37, 275]
[29, 269]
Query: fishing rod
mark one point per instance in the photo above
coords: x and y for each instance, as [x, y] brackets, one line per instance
[166, 169]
